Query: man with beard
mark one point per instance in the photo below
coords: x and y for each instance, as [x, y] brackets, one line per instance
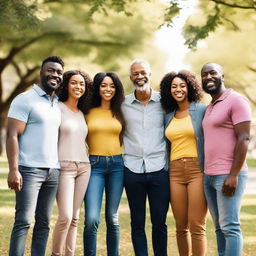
[226, 128]
[145, 159]
[31, 146]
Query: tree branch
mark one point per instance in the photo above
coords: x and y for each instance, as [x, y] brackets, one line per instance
[23, 84]
[15, 50]
[252, 6]
[252, 69]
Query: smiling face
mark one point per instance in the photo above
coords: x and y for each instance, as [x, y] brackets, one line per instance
[212, 78]
[140, 76]
[107, 89]
[179, 90]
[76, 86]
[51, 76]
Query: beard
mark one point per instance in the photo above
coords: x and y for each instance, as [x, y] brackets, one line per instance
[141, 88]
[214, 89]
[47, 86]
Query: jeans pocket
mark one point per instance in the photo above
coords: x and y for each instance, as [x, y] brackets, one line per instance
[94, 160]
[118, 160]
[26, 169]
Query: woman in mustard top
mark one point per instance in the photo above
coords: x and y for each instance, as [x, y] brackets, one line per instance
[180, 93]
[105, 128]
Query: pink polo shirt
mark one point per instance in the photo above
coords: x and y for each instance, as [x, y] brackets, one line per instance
[219, 135]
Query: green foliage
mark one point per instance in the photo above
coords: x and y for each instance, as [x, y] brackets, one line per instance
[172, 11]
[233, 50]
[195, 33]
[18, 15]
[224, 13]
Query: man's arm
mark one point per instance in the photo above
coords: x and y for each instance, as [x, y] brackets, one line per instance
[242, 131]
[14, 129]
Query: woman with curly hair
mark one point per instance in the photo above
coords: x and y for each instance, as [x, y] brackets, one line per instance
[73, 157]
[180, 93]
[106, 125]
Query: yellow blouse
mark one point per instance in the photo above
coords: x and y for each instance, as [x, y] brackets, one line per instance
[103, 132]
[180, 133]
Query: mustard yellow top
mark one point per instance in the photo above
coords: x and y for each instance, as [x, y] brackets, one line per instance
[103, 133]
[180, 133]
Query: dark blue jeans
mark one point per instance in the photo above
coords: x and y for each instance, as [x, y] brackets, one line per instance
[106, 172]
[155, 186]
[35, 199]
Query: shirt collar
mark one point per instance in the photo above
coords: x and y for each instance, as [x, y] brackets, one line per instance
[153, 97]
[42, 93]
[39, 90]
[223, 96]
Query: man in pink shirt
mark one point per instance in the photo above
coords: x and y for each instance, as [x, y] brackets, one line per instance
[226, 128]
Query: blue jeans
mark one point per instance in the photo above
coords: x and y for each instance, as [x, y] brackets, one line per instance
[106, 172]
[35, 199]
[225, 212]
[155, 186]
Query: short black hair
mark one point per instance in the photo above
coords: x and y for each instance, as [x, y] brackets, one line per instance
[53, 59]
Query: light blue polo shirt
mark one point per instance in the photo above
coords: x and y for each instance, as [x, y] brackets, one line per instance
[144, 139]
[38, 145]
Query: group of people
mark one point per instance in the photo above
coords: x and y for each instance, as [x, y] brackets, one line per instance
[72, 138]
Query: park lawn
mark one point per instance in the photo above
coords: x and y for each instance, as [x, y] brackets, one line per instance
[248, 219]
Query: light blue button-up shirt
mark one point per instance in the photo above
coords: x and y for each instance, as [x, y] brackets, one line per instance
[38, 144]
[144, 141]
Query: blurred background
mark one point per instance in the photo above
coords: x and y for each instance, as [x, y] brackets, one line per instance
[106, 35]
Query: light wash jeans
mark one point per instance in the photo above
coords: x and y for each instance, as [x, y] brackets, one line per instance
[106, 172]
[35, 199]
[225, 212]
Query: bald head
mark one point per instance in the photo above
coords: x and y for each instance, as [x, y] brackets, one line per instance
[212, 75]
[213, 66]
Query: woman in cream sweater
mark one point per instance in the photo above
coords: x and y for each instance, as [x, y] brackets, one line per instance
[105, 127]
[74, 160]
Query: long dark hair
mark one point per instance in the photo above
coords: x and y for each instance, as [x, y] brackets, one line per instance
[116, 101]
[84, 101]
[169, 104]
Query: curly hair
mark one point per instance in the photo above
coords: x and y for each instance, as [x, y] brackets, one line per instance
[169, 104]
[84, 101]
[116, 101]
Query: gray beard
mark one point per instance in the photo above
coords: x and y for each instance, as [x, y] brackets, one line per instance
[141, 88]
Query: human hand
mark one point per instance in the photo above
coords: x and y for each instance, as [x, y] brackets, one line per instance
[229, 185]
[14, 180]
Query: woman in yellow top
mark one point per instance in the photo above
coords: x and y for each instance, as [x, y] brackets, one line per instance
[180, 93]
[105, 128]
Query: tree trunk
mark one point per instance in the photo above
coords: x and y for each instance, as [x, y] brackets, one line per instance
[2, 134]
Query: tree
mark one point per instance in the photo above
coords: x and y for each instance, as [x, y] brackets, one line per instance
[217, 13]
[91, 31]
[234, 51]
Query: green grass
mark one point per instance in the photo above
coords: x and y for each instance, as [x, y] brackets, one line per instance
[251, 162]
[248, 219]
[3, 164]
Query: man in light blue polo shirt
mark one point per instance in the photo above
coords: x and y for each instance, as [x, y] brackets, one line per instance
[31, 146]
[145, 159]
